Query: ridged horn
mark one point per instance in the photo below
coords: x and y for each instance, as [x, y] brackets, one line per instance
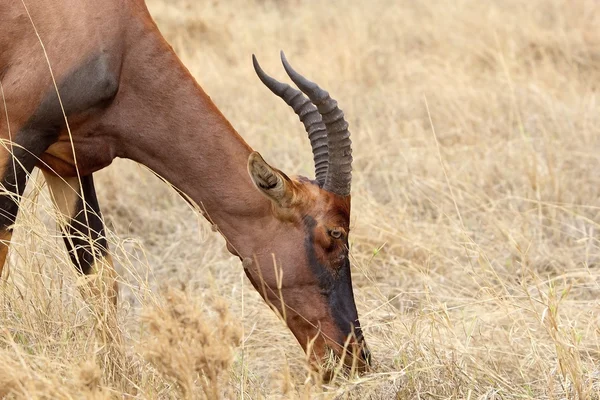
[339, 171]
[309, 116]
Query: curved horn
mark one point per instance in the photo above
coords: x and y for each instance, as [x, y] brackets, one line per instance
[339, 172]
[309, 116]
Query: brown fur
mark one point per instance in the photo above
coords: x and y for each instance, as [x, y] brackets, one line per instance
[161, 118]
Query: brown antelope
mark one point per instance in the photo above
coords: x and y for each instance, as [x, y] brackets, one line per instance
[86, 81]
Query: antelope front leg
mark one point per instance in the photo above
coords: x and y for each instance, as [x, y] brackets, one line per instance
[83, 234]
[17, 160]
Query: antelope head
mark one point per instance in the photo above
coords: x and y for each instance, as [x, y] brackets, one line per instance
[304, 270]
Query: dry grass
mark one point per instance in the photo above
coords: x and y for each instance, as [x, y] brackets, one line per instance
[476, 213]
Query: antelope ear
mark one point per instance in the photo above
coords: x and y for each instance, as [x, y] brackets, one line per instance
[270, 181]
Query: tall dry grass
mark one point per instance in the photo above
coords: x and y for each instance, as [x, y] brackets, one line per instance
[475, 227]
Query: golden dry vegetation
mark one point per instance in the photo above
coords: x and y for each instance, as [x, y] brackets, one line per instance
[476, 214]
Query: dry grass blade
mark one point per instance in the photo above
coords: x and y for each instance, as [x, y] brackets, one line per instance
[503, 304]
[189, 346]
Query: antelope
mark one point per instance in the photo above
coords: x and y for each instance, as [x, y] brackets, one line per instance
[84, 82]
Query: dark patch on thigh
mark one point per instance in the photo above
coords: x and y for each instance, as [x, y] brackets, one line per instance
[85, 238]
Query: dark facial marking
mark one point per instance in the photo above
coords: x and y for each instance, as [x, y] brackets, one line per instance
[336, 288]
[85, 238]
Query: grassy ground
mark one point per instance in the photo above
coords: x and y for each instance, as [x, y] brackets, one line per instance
[476, 214]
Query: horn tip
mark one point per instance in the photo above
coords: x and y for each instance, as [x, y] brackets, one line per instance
[286, 63]
[255, 62]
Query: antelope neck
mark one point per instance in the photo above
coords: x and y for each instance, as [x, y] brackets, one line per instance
[179, 133]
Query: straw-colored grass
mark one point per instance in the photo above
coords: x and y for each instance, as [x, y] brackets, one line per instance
[475, 225]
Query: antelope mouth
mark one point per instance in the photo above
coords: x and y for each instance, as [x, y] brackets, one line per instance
[347, 362]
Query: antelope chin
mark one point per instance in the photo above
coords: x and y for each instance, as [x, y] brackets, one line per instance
[329, 365]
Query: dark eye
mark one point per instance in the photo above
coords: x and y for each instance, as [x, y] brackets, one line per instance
[336, 233]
